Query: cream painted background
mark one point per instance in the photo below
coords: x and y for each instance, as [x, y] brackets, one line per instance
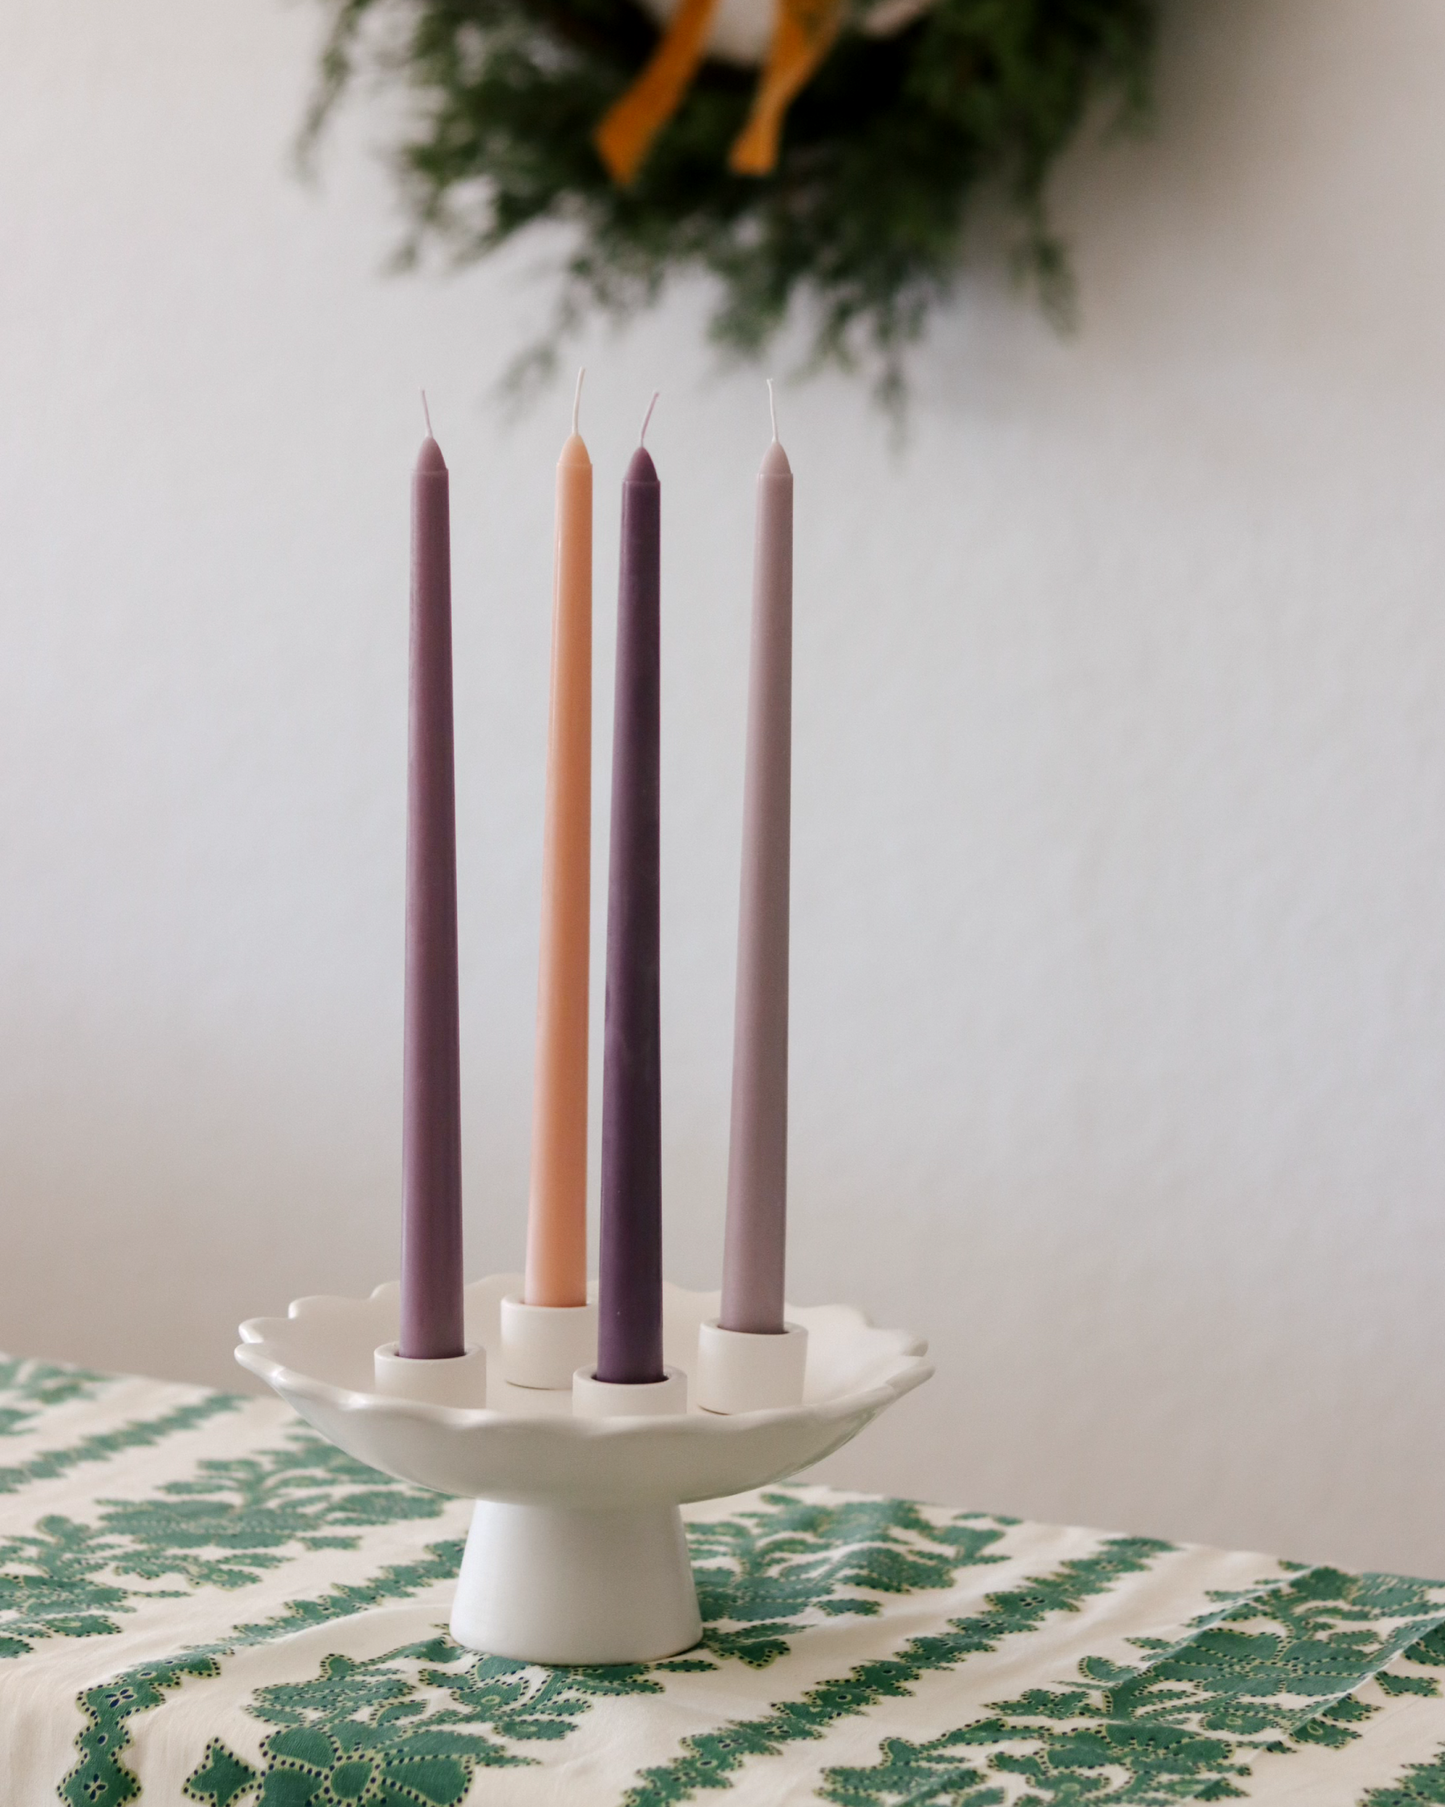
[1120, 851]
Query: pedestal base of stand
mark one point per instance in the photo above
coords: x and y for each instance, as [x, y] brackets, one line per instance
[553, 1584]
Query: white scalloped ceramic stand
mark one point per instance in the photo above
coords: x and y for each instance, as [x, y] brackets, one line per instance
[576, 1553]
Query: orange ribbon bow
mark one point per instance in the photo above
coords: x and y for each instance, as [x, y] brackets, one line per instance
[803, 33]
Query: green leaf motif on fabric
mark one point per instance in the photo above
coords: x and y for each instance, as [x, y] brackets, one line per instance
[224, 1527]
[759, 1574]
[1422, 1785]
[222, 1779]
[104, 1446]
[29, 1389]
[100, 1777]
[1273, 1671]
[368, 1725]
[709, 1760]
[413, 1725]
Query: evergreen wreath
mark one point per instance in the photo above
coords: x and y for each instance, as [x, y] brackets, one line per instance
[841, 176]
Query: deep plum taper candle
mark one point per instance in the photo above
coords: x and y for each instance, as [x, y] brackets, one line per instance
[629, 1346]
[431, 1225]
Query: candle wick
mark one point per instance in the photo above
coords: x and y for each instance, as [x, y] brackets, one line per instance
[577, 399]
[427, 412]
[642, 436]
[773, 409]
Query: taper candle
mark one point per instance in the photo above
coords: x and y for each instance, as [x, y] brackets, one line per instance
[557, 1215]
[629, 1346]
[755, 1236]
[431, 1233]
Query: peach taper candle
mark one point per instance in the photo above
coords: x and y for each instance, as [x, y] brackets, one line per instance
[557, 1217]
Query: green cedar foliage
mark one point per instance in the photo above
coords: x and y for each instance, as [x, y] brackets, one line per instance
[862, 224]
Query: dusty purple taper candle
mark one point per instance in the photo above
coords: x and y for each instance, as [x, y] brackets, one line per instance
[431, 1220]
[629, 1332]
[753, 1245]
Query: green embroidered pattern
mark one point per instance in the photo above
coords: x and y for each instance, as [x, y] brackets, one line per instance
[101, 1779]
[140, 1433]
[28, 1389]
[710, 1759]
[1422, 1785]
[379, 1725]
[758, 1573]
[1197, 1717]
[224, 1528]
[365, 1731]
[1268, 1673]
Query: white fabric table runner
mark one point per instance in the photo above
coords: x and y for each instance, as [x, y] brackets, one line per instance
[202, 1601]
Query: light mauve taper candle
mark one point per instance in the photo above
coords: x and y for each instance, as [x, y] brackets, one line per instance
[557, 1215]
[754, 1242]
[431, 1224]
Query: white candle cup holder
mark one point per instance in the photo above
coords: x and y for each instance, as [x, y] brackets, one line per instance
[459, 1380]
[543, 1346]
[576, 1552]
[594, 1398]
[749, 1371]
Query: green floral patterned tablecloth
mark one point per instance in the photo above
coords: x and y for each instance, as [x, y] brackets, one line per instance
[202, 1601]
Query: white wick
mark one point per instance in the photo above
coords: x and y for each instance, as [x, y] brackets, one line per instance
[642, 436]
[577, 399]
[427, 412]
[773, 409]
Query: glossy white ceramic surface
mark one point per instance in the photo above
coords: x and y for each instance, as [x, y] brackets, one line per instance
[527, 1446]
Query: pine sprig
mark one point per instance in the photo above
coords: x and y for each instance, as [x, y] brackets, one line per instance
[863, 222]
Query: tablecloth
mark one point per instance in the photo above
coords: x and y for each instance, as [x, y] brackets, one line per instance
[202, 1601]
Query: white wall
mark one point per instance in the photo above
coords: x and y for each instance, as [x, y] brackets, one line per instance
[1120, 848]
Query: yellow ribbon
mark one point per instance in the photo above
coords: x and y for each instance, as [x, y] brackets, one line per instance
[803, 33]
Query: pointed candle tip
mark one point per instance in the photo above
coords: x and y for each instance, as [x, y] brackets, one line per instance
[773, 410]
[577, 399]
[642, 436]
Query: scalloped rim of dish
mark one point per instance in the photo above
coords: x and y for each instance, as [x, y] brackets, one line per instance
[252, 1353]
